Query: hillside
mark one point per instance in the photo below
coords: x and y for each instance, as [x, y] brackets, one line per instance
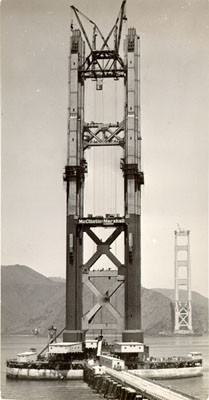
[197, 298]
[156, 312]
[30, 300]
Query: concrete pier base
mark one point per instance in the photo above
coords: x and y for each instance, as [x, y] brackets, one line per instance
[133, 336]
[73, 336]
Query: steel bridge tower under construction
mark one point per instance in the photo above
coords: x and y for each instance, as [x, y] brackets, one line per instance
[103, 61]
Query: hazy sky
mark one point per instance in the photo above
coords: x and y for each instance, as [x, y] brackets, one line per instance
[174, 102]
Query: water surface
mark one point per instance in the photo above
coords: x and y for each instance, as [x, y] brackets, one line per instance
[78, 390]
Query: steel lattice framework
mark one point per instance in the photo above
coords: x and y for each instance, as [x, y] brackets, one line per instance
[103, 62]
[183, 307]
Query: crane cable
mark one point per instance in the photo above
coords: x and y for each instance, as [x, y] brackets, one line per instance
[103, 149]
[94, 175]
[115, 166]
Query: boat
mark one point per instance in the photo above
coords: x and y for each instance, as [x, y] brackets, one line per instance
[68, 360]
[36, 331]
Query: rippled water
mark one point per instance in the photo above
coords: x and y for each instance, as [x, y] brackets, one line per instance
[78, 390]
[37, 390]
[181, 346]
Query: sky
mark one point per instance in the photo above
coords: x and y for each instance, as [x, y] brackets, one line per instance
[174, 66]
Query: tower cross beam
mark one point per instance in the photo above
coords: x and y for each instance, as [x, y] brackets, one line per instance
[103, 248]
[109, 137]
[93, 236]
[103, 300]
[94, 135]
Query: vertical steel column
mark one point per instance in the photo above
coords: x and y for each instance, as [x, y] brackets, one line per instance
[176, 322]
[74, 177]
[189, 292]
[134, 178]
[183, 308]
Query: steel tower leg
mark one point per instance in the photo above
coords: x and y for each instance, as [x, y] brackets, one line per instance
[134, 178]
[74, 177]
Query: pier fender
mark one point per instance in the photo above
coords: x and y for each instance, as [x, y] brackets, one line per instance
[22, 372]
[12, 372]
[33, 373]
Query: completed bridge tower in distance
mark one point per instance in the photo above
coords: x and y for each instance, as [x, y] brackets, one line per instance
[183, 301]
[97, 58]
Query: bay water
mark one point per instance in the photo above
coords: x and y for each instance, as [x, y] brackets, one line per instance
[78, 390]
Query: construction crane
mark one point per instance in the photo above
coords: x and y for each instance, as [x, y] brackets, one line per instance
[103, 61]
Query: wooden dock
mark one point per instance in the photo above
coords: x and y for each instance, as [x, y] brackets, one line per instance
[123, 385]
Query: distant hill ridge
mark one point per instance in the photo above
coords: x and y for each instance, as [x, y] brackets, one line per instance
[197, 298]
[16, 273]
[31, 300]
